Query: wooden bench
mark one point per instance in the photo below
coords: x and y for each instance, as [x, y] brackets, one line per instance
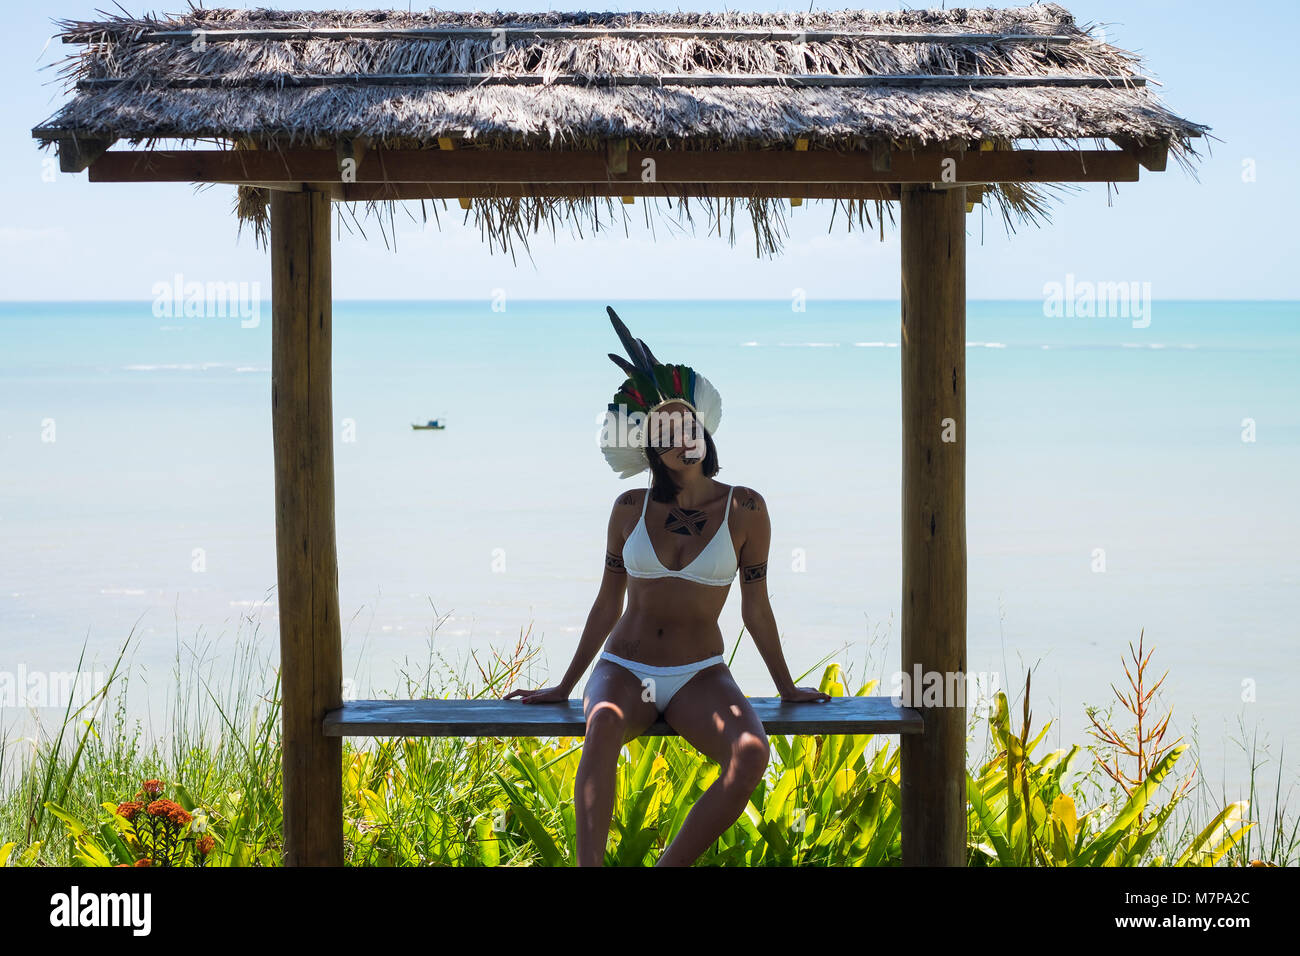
[512, 718]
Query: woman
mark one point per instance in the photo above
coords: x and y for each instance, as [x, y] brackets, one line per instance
[663, 655]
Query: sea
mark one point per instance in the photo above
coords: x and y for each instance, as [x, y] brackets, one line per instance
[1127, 479]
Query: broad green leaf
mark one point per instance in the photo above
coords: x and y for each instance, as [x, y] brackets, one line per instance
[988, 820]
[1098, 852]
[777, 799]
[116, 845]
[184, 799]
[489, 848]
[1064, 811]
[537, 833]
[74, 826]
[1217, 838]
[1142, 840]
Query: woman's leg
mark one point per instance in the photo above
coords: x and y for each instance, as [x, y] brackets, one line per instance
[711, 713]
[615, 714]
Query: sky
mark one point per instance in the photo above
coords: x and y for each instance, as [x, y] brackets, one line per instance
[1215, 235]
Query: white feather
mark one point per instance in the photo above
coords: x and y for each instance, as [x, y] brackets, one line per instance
[629, 458]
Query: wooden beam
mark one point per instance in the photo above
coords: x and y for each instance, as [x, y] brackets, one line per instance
[933, 353]
[349, 150]
[77, 153]
[583, 166]
[279, 187]
[616, 156]
[881, 156]
[569, 33]
[1152, 156]
[510, 718]
[311, 662]
[960, 81]
[367, 192]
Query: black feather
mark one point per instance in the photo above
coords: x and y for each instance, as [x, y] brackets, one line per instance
[624, 364]
[650, 355]
[630, 345]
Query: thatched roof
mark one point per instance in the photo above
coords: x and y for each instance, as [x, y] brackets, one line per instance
[836, 80]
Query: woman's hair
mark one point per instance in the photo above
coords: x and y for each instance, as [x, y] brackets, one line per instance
[664, 487]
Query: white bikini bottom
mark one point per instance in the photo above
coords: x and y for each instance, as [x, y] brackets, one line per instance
[663, 682]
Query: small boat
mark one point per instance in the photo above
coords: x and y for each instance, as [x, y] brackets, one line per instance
[434, 423]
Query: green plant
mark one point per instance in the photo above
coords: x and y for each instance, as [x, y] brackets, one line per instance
[826, 800]
[1023, 812]
[151, 831]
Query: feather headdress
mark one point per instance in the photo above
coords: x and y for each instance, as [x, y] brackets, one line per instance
[649, 385]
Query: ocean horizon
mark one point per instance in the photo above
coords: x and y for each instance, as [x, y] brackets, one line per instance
[1125, 475]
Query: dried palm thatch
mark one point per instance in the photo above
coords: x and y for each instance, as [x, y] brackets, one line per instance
[386, 78]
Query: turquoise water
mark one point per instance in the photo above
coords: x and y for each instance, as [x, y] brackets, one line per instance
[154, 501]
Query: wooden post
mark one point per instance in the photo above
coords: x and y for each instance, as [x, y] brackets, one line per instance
[933, 346]
[311, 662]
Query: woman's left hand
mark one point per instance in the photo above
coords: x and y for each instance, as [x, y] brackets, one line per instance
[804, 693]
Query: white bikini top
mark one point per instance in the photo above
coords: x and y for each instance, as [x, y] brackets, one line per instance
[715, 565]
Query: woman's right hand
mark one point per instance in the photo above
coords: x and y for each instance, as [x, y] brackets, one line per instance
[543, 696]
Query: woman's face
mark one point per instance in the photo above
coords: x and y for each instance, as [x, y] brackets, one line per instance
[680, 439]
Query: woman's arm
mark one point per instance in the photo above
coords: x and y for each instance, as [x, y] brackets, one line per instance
[755, 609]
[608, 606]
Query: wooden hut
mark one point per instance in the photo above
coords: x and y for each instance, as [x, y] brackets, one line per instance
[529, 120]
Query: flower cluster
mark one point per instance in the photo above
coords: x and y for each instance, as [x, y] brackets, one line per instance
[163, 831]
[170, 811]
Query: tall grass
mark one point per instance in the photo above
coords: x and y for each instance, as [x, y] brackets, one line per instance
[826, 800]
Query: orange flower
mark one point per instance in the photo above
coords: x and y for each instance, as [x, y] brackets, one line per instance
[128, 809]
[205, 844]
[152, 787]
[144, 862]
[169, 810]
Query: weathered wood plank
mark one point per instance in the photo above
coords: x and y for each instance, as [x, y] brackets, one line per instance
[311, 659]
[588, 166]
[77, 153]
[1152, 156]
[512, 718]
[366, 192]
[933, 346]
